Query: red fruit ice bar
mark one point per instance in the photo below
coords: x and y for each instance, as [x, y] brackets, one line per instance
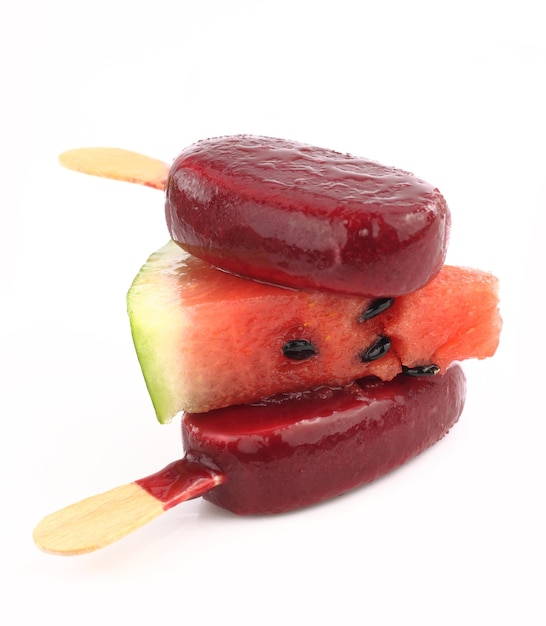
[294, 450]
[306, 217]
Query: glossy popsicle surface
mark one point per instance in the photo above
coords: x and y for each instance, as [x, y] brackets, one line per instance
[306, 217]
[294, 450]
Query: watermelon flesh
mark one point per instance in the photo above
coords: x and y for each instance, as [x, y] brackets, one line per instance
[207, 339]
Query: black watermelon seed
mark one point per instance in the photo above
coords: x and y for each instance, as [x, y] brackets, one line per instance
[376, 350]
[421, 370]
[299, 349]
[375, 308]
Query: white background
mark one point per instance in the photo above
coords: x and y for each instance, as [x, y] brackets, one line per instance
[455, 95]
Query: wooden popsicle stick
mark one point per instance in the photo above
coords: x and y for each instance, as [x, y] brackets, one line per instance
[117, 164]
[100, 520]
[96, 521]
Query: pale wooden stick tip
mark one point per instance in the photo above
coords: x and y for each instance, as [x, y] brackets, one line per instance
[97, 521]
[117, 164]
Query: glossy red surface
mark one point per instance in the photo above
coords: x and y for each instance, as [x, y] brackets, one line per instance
[294, 450]
[181, 480]
[296, 215]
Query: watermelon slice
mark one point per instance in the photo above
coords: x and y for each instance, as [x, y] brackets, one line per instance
[207, 339]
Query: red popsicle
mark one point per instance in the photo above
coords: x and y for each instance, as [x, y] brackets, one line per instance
[306, 217]
[287, 452]
[294, 450]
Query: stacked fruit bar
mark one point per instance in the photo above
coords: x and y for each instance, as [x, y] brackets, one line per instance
[302, 319]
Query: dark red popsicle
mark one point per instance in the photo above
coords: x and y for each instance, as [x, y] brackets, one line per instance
[294, 450]
[306, 217]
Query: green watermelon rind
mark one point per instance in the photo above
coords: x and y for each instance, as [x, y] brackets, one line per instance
[159, 320]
